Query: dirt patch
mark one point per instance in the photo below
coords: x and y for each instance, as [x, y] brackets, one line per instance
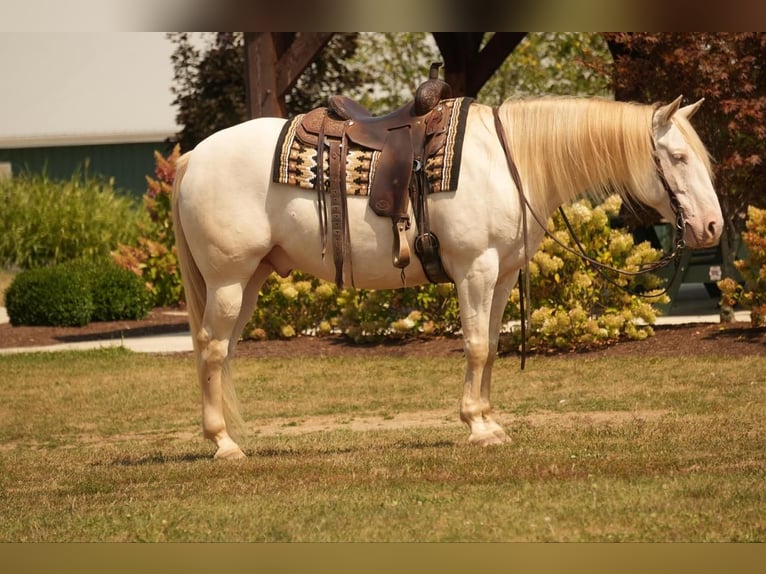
[429, 419]
[732, 339]
[353, 423]
[159, 322]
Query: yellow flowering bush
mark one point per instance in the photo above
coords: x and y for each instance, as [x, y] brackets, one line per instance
[752, 269]
[574, 304]
[293, 305]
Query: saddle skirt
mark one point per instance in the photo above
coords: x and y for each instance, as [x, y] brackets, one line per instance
[295, 158]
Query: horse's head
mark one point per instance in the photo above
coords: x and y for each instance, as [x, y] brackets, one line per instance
[684, 164]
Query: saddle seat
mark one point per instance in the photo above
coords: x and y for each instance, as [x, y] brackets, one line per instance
[347, 109]
[371, 131]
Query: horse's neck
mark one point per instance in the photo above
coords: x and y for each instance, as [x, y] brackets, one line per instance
[581, 147]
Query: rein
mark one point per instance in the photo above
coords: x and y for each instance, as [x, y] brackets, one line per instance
[524, 281]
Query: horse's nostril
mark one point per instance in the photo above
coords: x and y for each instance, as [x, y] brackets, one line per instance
[711, 227]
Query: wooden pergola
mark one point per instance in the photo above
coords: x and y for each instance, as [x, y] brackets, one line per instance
[275, 61]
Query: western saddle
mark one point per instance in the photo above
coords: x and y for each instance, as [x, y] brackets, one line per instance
[403, 139]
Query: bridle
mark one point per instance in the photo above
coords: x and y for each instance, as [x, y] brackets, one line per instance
[524, 281]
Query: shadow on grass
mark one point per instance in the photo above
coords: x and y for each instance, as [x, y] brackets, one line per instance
[122, 333]
[159, 458]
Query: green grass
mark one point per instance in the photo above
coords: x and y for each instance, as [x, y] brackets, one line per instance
[105, 446]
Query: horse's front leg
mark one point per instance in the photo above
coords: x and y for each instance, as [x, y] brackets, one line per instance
[499, 301]
[482, 295]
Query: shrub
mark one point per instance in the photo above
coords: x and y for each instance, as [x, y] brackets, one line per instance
[75, 293]
[290, 306]
[753, 269]
[301, 304]
[49, 296]
[117, 293]
[367, 314]
[574, 304]
[45, 222]
[152, 255]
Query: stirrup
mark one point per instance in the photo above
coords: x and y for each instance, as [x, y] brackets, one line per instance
[401, 251]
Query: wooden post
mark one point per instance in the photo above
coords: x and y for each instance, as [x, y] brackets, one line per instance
[275, 61]
[468, 66]
[261, 61]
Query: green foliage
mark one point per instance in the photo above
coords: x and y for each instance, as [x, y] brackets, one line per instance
[116, 292]
[753, 269]
[576, 305]
[290, 306]
[367, 314]
[49, 296]
[75, 293]
[300, 304]
[209, 84]
[45, 222]
[551, 63]
[390, 67]
[152, 256]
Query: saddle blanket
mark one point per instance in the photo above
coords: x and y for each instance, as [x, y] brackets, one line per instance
[295, 162]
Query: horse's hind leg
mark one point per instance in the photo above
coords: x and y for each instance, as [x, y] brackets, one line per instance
[222, 310]
[249, 302]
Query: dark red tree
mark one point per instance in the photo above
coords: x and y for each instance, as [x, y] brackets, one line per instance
[727, 69]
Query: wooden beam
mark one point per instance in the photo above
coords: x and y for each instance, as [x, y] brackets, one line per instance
[261, 61]
[467, 66]
[274, 62]
[492, 56]
[459, 50]
[304, 48]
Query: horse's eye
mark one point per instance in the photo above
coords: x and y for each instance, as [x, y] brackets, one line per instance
[679, 157]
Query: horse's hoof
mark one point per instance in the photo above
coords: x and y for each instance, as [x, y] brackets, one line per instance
[232, 453]
[488, 439]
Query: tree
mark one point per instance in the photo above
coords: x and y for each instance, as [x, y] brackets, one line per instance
[727, 70]
[390, 67]
[209, 86]
[210, 89]
[552, 63]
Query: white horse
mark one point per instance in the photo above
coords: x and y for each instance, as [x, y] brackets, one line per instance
[234, 227]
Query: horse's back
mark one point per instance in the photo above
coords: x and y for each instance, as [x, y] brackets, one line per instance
[245, 148]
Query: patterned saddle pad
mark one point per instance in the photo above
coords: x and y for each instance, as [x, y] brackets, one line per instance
[295, 162]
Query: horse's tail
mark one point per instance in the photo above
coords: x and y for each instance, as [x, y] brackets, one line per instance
[195, 293]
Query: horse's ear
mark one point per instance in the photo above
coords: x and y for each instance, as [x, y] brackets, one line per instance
[691, 109]
[663, 114]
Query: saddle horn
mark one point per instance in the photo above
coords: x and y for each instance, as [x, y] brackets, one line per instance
[431, 92]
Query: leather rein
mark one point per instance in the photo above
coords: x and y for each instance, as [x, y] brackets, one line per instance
[524, 281]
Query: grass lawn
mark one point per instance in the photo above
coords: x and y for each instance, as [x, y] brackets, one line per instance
[105, 446]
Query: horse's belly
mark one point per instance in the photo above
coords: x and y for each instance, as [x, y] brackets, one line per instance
[298, 244]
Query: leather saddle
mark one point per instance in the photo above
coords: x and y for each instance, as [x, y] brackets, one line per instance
[403, 139]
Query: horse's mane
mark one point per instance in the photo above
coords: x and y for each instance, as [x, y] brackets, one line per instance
[566, 146]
